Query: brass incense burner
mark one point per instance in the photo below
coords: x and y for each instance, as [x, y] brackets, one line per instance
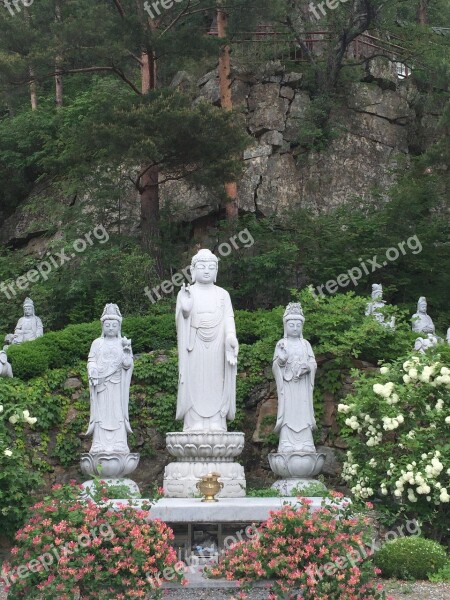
[209, 486]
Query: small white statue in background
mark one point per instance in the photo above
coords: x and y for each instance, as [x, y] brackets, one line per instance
[422, 344]
[374, 307]
[294, 367]
[421, 321]
[28, 328]
[5, 367]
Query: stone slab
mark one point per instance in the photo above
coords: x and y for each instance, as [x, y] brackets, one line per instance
[226, 510]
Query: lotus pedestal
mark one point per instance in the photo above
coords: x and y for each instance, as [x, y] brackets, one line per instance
[297, 470]
[199, 453]
[111, 467]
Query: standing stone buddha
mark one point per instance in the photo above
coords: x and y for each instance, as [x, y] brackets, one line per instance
[207, 350]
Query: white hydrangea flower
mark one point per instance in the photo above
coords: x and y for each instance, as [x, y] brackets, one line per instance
[444, 496]
[7, 452]
[26, 414]
[13, 419]
[406, 378]
[439, 405]
[384, 370]
[447, 420]
[445, 371]
[372, 462]
[413, 374]
[426, 374]
[1, 408]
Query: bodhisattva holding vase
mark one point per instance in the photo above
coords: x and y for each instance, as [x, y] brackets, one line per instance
[207, 362]
[294, 368]
[110, 366]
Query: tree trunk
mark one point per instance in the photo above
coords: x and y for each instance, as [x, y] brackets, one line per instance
[33, 93]
[58, 62]
[226, 102]
[149, 181]
[422, 12]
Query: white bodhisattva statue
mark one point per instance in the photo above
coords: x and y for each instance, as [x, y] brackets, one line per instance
[5, 367]
[294, 368]
[207, 350]
[375, 307]
[421, 321]
[110, 366]
[29, 327]
[207, 362]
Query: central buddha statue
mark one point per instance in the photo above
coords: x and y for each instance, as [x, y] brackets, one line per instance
[207, 350]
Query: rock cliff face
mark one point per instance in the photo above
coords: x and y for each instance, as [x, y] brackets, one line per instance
[375, 126]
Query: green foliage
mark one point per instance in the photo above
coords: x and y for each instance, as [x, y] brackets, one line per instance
[262, 493]
[442, 575]
[101, 489]
[312, 490]
[411, 558]
[67, 347]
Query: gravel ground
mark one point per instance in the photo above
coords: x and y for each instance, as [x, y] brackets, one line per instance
[399, 590]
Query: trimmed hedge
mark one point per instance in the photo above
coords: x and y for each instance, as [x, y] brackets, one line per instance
[334, 324]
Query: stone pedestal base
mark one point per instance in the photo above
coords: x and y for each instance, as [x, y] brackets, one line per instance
[200, 453]
[286, 486]
[133, 489]
[297, 470]
[109, 464]
[180, 478]
[296, 464]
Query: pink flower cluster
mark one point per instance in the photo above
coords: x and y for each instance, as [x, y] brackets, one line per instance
[50, 561]
[320, 555]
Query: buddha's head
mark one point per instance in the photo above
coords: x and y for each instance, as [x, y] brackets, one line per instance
[204, 267]
[28, 307]
[293, 320]
[377, 291]
[111, 321]
[422, 305]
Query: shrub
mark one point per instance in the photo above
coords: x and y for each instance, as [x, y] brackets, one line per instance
[68, 544]
[442, 575]
[410, 558]
[318, 554]
[17, 476]
[397, 426]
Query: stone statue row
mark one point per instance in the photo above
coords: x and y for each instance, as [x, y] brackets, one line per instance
[421, 321]
[207, 351]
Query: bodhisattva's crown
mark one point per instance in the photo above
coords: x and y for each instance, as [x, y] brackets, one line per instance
[111, 312]
[293, 311]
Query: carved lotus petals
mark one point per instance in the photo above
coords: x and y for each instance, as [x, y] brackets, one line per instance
[103, 464]
[205, 445]
[296, 464]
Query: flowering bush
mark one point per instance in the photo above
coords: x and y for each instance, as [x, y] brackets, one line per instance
[397, 425]
[69, 544]
[320, 554]
[16, 474]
